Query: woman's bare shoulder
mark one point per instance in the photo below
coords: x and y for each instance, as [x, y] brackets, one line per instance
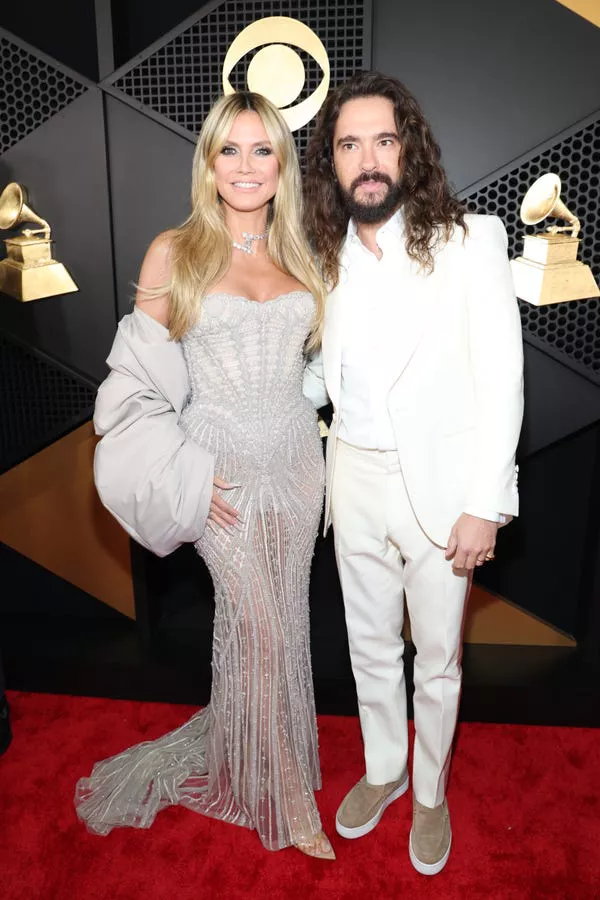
[155, 274]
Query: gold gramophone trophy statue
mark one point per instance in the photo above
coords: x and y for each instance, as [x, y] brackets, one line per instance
[29, 271]
[549, 271]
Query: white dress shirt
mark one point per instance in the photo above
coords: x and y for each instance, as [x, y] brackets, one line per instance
[372, 330]
[376, 311]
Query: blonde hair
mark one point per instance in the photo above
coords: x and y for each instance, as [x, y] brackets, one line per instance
[200, 249]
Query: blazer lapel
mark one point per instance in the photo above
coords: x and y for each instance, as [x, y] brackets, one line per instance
[422, 295]
[420, 309]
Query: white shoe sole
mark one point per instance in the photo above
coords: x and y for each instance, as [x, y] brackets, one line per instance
[428, 868]
[361, 830]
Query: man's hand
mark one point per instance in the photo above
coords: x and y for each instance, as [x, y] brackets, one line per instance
[471, 542]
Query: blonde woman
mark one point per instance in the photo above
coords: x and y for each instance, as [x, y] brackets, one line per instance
[230, 302]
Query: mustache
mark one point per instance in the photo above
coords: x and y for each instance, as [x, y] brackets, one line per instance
[370, 176]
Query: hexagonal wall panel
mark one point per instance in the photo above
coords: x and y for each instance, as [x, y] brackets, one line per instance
[32, 92]
[571, 328]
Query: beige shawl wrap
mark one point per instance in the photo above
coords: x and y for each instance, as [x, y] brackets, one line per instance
[153, 479]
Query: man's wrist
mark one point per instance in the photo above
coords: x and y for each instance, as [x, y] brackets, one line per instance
[482, 513]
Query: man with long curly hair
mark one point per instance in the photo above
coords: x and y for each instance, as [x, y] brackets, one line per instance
[422, 360]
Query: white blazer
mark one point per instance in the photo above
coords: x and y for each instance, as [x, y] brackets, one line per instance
[456, 397]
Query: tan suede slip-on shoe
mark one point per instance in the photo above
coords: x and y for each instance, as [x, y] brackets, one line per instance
[430, 838]
[363, 806]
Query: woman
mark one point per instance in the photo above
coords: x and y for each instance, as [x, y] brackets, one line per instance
[244, 302]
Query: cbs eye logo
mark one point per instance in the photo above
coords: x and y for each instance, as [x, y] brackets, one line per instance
[276, 71]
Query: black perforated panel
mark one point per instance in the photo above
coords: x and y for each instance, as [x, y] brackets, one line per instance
[39, 401]
[572, 328]
[182, 79]
[31, 92]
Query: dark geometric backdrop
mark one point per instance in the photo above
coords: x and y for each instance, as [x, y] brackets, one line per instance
[107, 162]
[132, 137]
[572, 328]
[180, 79]
[175, 81]
[32, 92]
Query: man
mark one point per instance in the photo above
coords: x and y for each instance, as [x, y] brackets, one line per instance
[422, 361]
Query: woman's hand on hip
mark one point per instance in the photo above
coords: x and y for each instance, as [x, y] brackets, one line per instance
[221, 512]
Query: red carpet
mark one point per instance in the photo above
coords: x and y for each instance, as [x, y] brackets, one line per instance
[525, 805]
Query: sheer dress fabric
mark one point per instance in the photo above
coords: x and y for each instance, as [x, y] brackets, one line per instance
[251, 756]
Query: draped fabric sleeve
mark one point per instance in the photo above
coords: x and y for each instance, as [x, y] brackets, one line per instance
[496, 361]
[155, 480]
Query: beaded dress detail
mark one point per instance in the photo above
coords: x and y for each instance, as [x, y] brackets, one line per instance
[251, 756]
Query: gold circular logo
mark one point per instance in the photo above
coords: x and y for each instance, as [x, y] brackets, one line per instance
[277, 71]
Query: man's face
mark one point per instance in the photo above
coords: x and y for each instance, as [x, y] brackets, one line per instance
[366, 158]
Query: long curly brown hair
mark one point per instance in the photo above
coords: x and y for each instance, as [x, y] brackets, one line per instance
[431, 211]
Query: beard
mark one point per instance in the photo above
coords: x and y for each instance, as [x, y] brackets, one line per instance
[373, 210]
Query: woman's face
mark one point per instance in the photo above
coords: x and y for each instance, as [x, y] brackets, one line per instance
[246, 169]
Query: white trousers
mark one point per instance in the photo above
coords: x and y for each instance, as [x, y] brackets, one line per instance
[383, 554]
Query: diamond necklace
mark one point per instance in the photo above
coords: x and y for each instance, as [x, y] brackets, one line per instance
[248, 238]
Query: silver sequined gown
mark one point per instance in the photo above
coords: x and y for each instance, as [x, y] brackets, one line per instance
[251, 756]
